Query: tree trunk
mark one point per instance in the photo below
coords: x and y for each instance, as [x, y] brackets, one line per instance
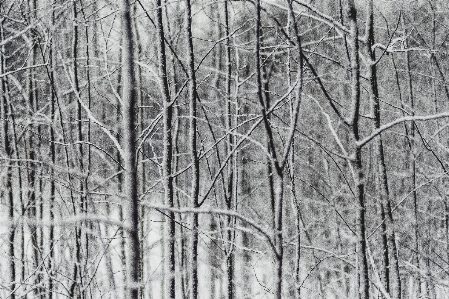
[195, 174]
[52, 63]
[170, 285]
[5, 116]
[129, 154]
[363, 277]
[77, 288]
[387, 214]
[31, 173]
[230, 193]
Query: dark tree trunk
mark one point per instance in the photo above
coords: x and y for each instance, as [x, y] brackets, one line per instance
[195, 174]
[363, 275]
[129, 154]
[170, 233]
[5, 117]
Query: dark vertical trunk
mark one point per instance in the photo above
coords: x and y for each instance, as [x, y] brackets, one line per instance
[363, 277]
[51, 237]
[5, 116]
[294, 292]
[77, 285]
[119, 158]
[230, 194]
[293, 24]
[195, 174]
[39, 171]
[279, 235]
[390, 260]
[18, 164]
[10, 196]
[244, 180]
[182, 257]
[277, 167]
[141, 155]
[170, 285]
[446, 222]
[385, 251]
[86, 161]
[214, 251]
[21, 196]
[129, 154]
[230, 265]
[270, 167]
[31, 167]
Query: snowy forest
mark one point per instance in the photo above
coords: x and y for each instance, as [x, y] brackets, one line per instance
[227, 149]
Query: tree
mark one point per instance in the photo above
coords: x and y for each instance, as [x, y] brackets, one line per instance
[6, 118]
[129, 154]
[168, 155]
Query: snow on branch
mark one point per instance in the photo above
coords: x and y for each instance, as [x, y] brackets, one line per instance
[212, 211]
[398, 121]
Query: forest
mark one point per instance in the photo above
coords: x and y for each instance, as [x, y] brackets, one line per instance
[228, 149]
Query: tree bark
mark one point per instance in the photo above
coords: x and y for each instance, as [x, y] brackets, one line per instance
[129, 154]
[170, 285]
[363, 276]
[5, 116]
[51, 237]
[393, 286]
[293, 23]
[230, 193]
[77, 288]
[194, 193]
[32, 149]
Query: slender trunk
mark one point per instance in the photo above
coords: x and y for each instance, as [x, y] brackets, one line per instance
[141, 155]
[386, 253]
[391, 260]
[31, 173]
[213, 253]
[230, 194]
[279, 235]
[86, 161]
[129, 154]
[10, 195]
[270, 167]
[230, 265]
[38, 236]
[363, 277]
[170, 285]
[446, 223]
[182, 255]
[292, 24]
[296, 291]
[5, 116]
[22, 199]
[278, 177]
[193, 152]
[243, 175]
[53, 161]
[18, 165]
[77, 285]
[411, 144]
[119, 168]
